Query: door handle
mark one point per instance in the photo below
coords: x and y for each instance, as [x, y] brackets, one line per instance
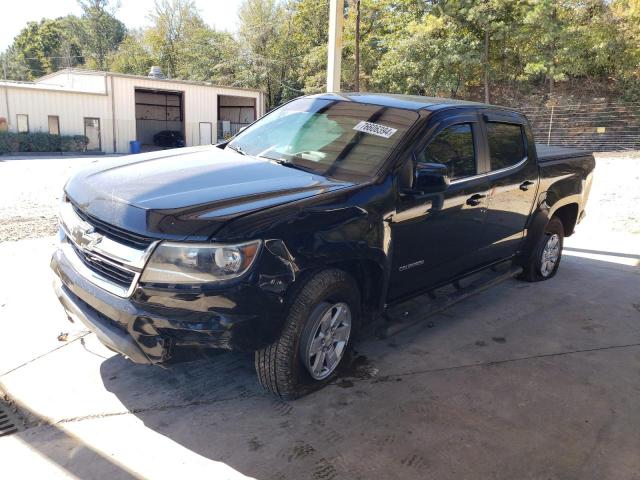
[475, 200]
[524, 186]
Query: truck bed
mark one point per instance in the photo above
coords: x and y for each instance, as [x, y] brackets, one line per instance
[547, 153]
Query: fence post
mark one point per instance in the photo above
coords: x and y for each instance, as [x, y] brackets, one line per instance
[550, 124]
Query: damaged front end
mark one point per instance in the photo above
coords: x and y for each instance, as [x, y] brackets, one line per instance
[101, 283]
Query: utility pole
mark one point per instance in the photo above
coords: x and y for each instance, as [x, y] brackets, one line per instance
[486, 65]
[356, 79]
[6, 93]
[334, 53]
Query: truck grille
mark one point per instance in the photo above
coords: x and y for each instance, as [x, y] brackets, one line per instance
[118, 234]
[107, 256]
[117, 275]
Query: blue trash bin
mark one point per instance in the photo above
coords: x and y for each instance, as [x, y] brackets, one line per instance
[134, 146]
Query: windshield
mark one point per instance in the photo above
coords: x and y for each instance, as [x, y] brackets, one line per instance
[334, 138]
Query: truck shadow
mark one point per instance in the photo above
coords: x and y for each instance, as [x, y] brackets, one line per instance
[212, 403]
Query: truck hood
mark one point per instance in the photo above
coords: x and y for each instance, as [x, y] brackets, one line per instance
[189, 191]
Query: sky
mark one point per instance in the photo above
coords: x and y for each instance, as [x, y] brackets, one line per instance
[221, 14]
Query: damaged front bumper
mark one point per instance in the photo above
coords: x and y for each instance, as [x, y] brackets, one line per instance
[113, 337]
[149, 324]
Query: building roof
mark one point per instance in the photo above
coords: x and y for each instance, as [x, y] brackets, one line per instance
[46, 86]
[408, 102]
[56, 82]
[99, 73]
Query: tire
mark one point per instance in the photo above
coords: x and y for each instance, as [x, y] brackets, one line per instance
[539, 266]
[283, 368]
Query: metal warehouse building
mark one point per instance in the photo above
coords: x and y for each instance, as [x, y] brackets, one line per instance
[112, 109]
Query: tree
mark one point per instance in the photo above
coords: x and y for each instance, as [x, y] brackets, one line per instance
[548, 21]
[491, 49]
[310, 34]
[51, 44]
[13, 66]
[211, 56]
[599, 43]
[133, 56]
[488, 19]
[100, 32]
[627, 16]
[265, 37]
[43, 47]
[435, 56]
[378, 25]
[182, 45]
[356, 42]
[173, 22]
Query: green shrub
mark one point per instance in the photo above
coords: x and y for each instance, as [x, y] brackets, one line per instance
[630, 89]
[9, 142]
[73, 143]
[41, 142]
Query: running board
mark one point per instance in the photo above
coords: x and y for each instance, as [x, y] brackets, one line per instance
[406, 314]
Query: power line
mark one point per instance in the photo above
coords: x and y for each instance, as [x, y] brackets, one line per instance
[51, 57]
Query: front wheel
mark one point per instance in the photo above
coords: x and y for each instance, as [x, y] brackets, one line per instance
[545, 257]
[321, 323]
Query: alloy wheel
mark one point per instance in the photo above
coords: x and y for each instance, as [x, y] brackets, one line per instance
[327, 343]
[550, 255]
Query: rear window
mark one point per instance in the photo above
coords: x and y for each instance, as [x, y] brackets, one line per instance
[506, 144]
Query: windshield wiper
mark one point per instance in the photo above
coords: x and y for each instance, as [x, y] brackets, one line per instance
[284, 163]
[237, 149]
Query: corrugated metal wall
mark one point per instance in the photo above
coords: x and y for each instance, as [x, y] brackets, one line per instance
[200, 105]
[70, 107]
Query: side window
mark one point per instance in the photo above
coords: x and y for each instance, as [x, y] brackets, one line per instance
[506, 144]
[54, 125]
[23, 123]
[453, 147]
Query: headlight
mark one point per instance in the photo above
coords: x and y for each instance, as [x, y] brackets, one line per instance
[183, 263]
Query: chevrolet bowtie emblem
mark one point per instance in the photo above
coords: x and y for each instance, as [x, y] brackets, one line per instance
[90, 238]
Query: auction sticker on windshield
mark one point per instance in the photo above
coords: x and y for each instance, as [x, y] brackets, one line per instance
[375, 129]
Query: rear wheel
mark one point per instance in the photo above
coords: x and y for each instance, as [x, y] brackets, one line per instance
[319, 330]
[545, 257]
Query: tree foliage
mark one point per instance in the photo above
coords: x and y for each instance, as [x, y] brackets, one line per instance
[43, 47]
[458, 48]
[267, 49]
[181, 44]
[133, 55]
[455, 47]
[100, 32]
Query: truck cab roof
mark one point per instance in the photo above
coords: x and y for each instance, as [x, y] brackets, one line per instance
[407, 102]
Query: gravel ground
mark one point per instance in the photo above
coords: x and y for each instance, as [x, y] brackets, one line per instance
[30, 192]
[615, 194]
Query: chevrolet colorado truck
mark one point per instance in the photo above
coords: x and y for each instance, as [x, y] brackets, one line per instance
[309, 223]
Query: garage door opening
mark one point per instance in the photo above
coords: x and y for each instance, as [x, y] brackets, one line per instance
[234, 113]
[159, 119]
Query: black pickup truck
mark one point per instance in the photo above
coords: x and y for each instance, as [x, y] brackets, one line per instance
[309, 223]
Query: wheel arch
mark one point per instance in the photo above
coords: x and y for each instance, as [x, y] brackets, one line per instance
[567, 212]
[568, 215]
[369, 277]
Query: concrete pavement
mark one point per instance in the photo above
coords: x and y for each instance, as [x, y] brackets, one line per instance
[522, 381]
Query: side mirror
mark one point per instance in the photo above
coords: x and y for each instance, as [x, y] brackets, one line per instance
[430, 178]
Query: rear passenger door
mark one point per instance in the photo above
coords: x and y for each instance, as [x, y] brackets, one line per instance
[513, 183]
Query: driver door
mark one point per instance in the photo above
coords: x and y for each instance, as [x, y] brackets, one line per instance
[435, 238]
